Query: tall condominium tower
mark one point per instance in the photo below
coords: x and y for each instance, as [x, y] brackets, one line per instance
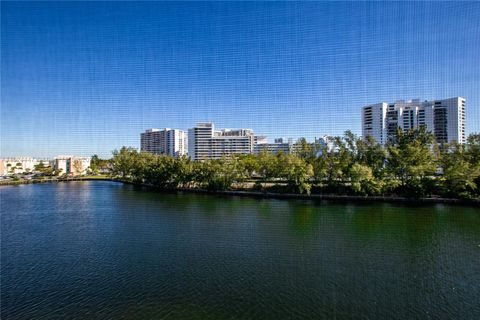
[204, 142]
[444, 118]
[167, 141]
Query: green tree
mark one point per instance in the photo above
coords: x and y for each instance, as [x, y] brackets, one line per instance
[304, 150]
[124, 162]
[157, 170]
[411, 161]
[43, 169]
[296, 172]
[97, 164]
[372, 154]
[268, 166]
[218, 174]
[363, 181]
[473, 155]
[473, 148]
[351, 142]
[249, 165]
[184, 172]
[333, 165]
[460, 175]
[410, 165]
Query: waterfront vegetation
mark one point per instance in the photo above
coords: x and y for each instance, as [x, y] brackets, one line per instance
[413, 166]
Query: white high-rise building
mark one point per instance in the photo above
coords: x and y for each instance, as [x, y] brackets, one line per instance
[200, 141]
[153, 141]
[374, 122]
[444, 118]
[207, 143]
[167, 141]
[177, 145]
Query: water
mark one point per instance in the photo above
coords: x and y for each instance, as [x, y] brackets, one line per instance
[102, 250]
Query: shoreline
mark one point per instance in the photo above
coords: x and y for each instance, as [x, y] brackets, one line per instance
[315, 196]
[265, 195]
[39, 181]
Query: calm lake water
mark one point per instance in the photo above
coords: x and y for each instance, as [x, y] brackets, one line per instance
[102, 250]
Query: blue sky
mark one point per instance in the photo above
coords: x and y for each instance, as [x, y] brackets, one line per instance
[86, 78]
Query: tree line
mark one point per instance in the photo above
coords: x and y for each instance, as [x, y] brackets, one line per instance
[411, 165]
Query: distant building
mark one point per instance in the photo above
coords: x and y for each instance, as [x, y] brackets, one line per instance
[167, 141]
[274, 148]
[287, 146]
[204, 142]
[284, 140]
[260, 139]
[323, 144]
[71, 165]
[9, 166]
[280, 145]
[444, 118]
[153, 141]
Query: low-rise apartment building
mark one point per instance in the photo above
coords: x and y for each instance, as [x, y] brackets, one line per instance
[9, 166]
[71, 165]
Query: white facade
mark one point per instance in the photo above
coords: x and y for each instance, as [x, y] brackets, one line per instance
[10, 166]
[177, 143]
[283, 145]
[374, 121]
[200, 141]
[71, 165]
[207, 143]
[444, 118]
[449, 120]
[260, 139]
[167, 141]
[274, 148]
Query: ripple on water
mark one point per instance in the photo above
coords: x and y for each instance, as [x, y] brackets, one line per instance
[100, 250]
